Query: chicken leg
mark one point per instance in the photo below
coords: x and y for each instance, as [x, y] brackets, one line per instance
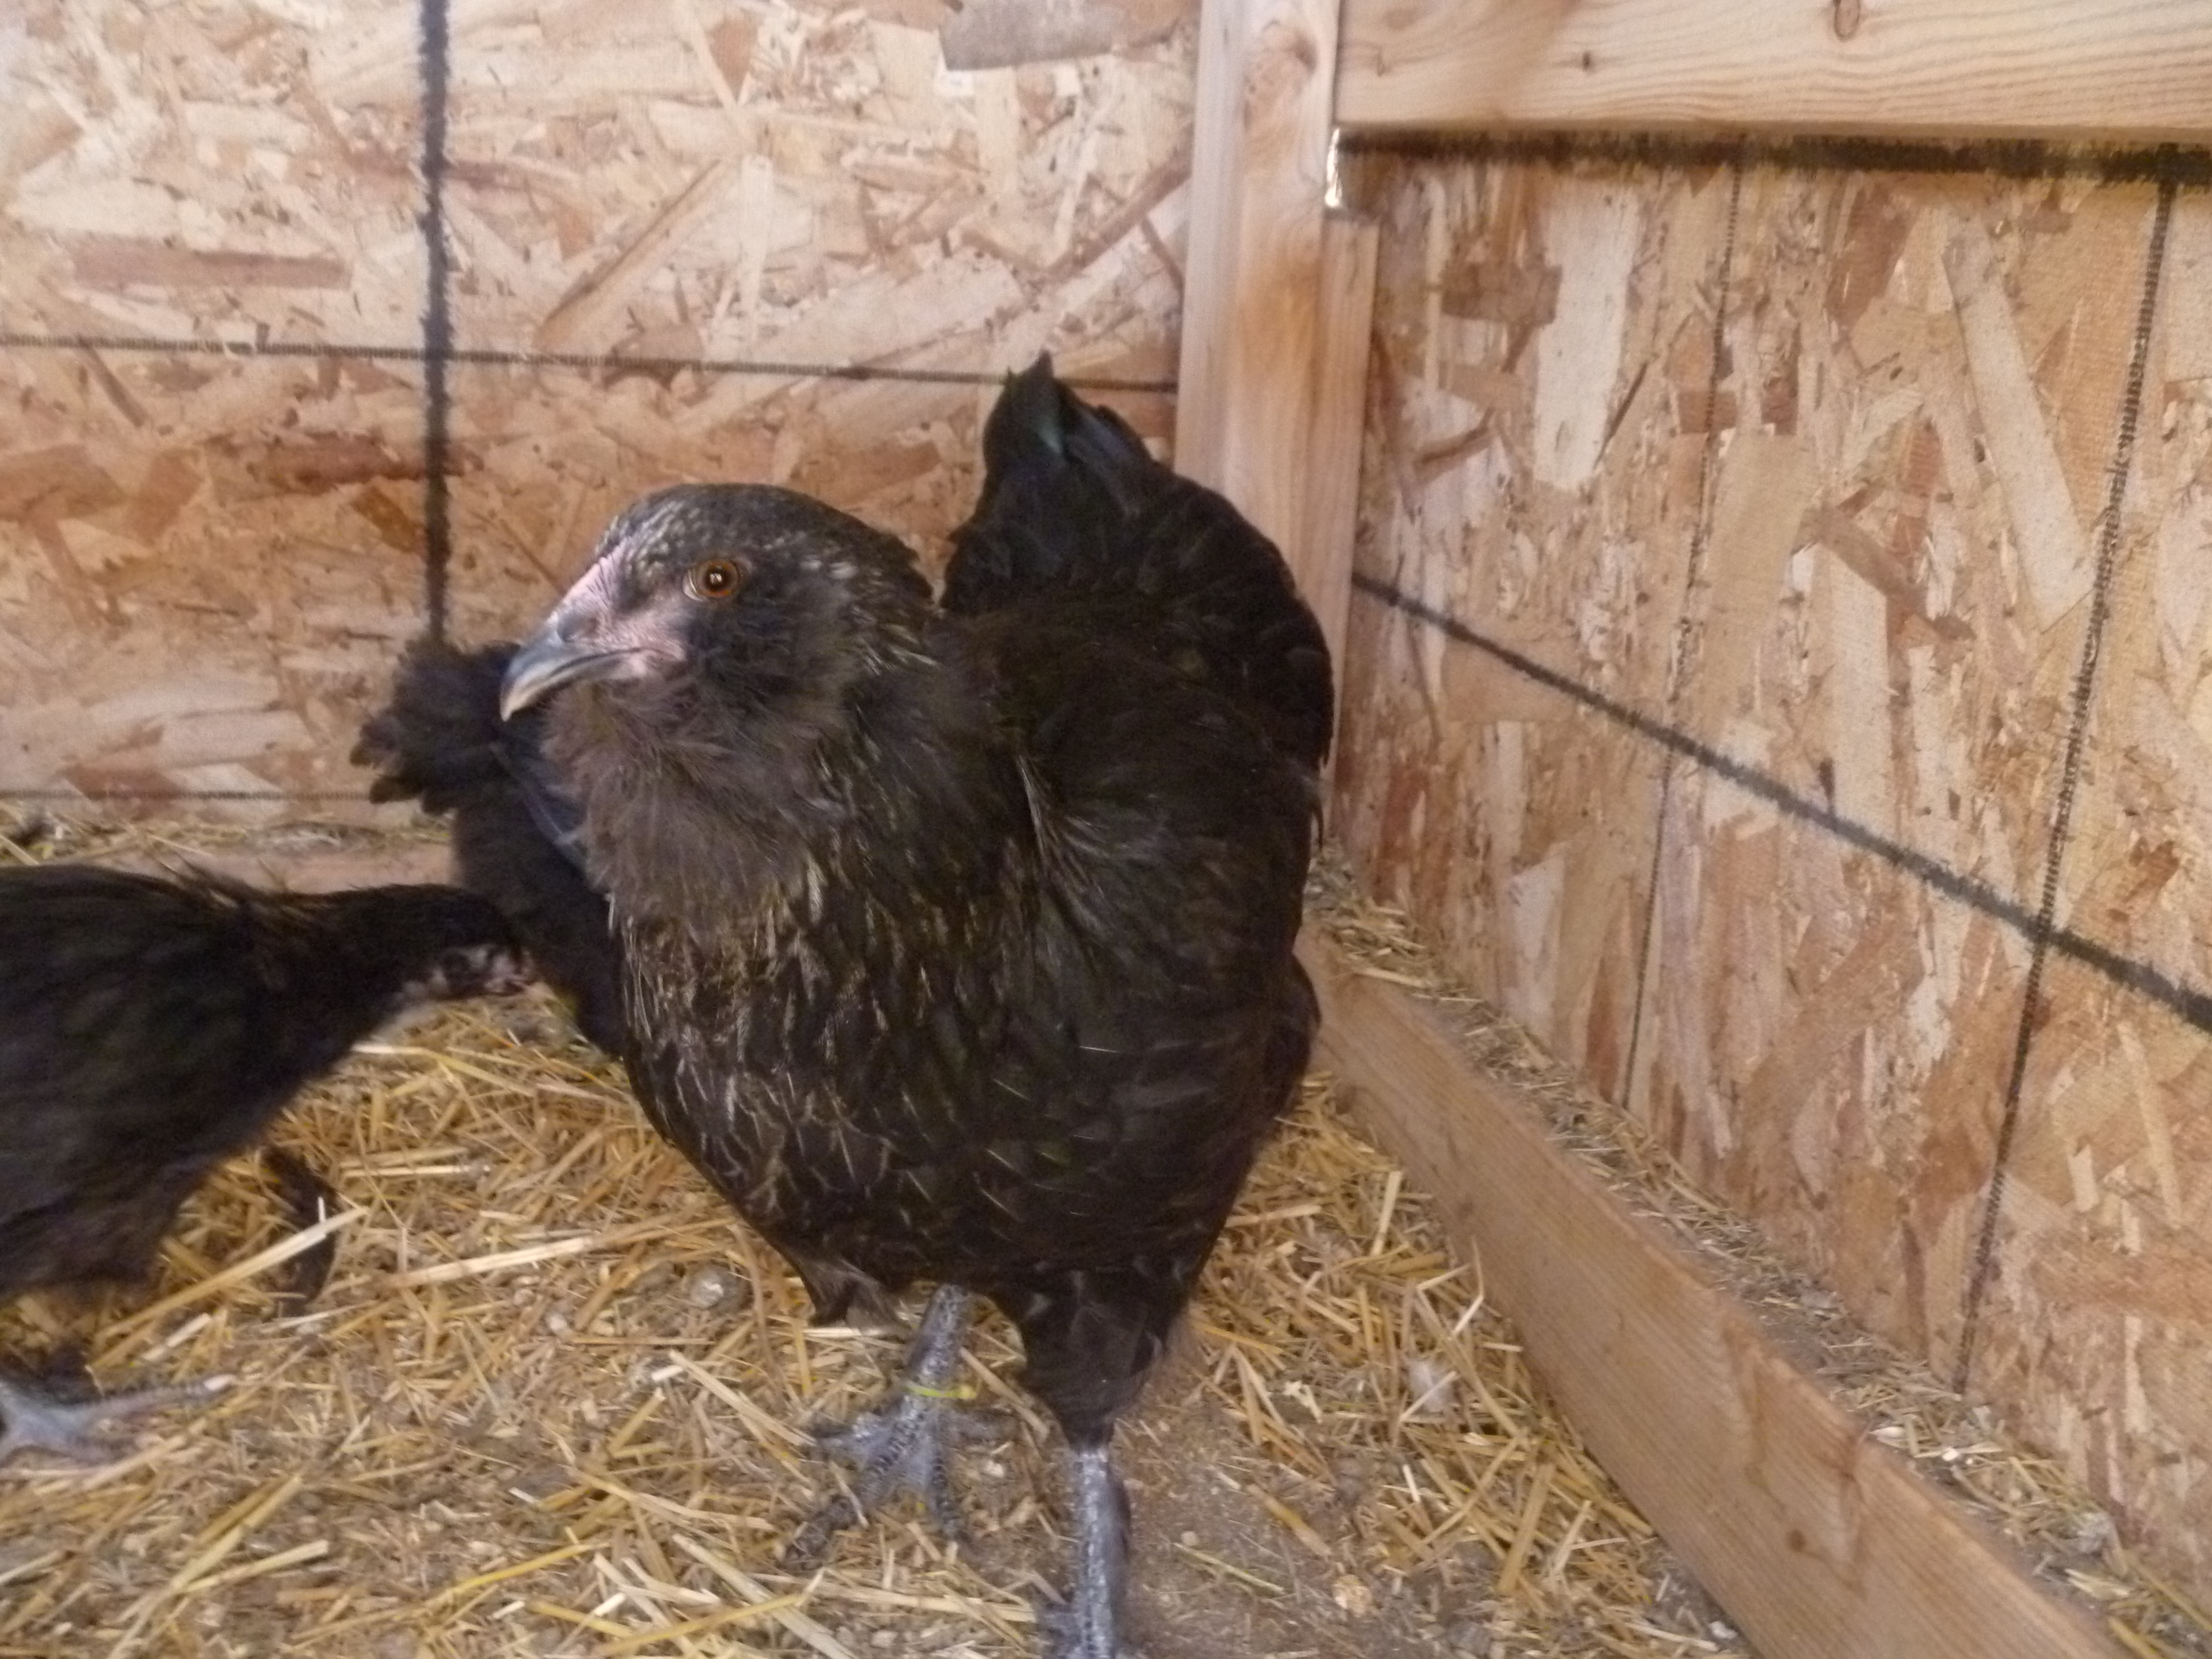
[37, 1420]
[1087, 1625]
[901, 1444]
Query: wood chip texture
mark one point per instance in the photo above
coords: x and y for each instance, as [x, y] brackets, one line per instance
[1768, 505]
[213, 285]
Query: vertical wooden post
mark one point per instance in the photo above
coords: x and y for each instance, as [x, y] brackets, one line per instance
[1275, 304]
[1319, 549]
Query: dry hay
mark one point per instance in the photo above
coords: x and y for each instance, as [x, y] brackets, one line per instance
[2067, 1536]
[280, 855]
[553, 1401]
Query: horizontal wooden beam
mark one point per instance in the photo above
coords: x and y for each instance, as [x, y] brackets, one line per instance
[2137, 70]
[1819, 1541]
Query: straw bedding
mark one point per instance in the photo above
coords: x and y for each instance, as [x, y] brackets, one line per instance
[555, 1401]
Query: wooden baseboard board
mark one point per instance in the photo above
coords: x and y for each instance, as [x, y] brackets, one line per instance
[1819, 1541]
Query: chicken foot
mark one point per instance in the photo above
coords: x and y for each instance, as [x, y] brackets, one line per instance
[37, 1420]
[900, 1446]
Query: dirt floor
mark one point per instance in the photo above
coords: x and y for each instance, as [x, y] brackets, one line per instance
[553, 1401]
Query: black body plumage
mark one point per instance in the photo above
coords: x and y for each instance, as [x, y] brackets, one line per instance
[959, 938]
[151, 1027]
[441, 741]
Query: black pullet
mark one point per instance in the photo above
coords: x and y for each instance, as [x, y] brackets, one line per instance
[151, 1027]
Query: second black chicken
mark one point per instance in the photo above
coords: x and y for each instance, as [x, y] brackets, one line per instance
[150, 1027]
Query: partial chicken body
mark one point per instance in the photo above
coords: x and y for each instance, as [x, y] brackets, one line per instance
[440, 741]
[959, 940]
[149, 1028]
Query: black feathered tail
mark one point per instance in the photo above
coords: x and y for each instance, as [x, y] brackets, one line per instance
[1073, 505]
[1061, 481]
[441, 741]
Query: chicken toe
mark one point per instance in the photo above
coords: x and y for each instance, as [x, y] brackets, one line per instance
[33, 1418]
[901, 1445]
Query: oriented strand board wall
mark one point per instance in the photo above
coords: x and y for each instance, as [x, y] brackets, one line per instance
[1741, 633]
[216, 288]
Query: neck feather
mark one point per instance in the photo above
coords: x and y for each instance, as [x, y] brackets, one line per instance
[713, 820]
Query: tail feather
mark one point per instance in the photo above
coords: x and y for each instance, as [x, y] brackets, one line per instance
[441, 741]
[1059, 479]
[1036, 416]
[1074, 510]
[439, 737]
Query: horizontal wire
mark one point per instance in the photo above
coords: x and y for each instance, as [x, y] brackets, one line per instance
[2186, 1000]
[481, 356]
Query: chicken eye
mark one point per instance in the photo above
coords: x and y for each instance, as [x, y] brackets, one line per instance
[713, 579]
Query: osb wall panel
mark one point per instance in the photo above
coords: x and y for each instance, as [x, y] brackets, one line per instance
[2100, 1309]
[1920, 394]
[800, 184]
[551, 453]
[1502, 489]
[1826, 1046]
[186, 611]
[207, 563]
[1714, 674]
[2097, 1322]
[2143, 868]
[204, 171]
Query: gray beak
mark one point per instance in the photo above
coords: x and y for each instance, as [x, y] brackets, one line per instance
[547, 662]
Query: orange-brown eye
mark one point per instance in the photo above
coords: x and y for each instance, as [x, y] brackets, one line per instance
[713, 579]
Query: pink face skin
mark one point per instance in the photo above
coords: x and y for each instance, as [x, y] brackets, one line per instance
[647, 637]
[622, 620]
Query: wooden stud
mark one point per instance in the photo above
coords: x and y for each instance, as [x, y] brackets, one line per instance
[1960, 68]
[1817, 1539]
[1251, 311]
[1319, 547]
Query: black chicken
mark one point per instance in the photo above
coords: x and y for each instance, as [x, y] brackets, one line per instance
[441, 741]
[959, 946]
[151, 1027]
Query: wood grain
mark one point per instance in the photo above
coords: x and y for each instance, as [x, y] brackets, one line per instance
[2050, 68]
[1251, 330]
[1320, 549]
[1817, 1539]
[208, 562]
